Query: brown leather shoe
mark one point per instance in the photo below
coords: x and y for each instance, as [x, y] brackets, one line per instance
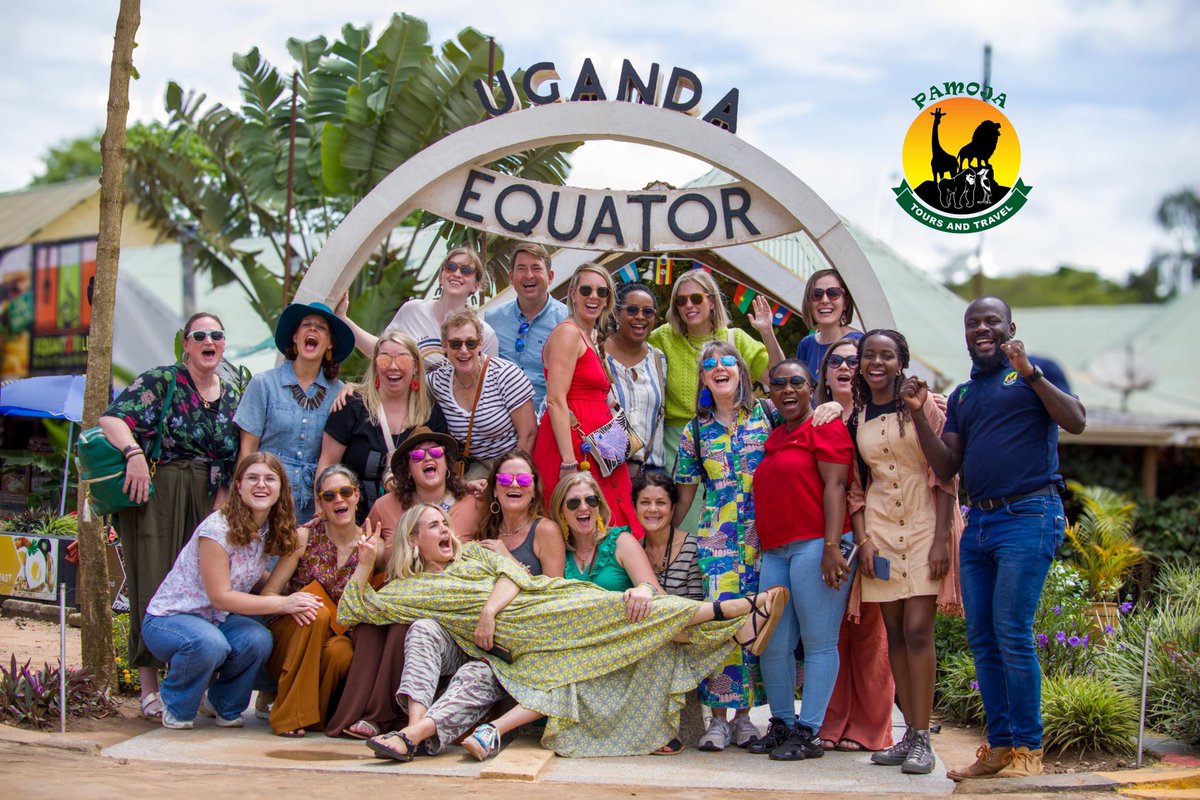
[1022, 763]
[988, 763]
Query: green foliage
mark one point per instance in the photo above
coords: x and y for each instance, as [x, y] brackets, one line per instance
[39, 523]
[1102, 538]
[31, 697]
[949, 637]
[1065, 633]
[1066, 286]
[71, 159]
[956, 692]
[1169, 527]
[1086, 713]
[128, 681]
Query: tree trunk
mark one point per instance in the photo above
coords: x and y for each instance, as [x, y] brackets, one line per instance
[93, 563]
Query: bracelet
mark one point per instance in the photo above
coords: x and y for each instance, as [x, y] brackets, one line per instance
[865, 539]
[130, 448]
[132, 453]
[649, 586]
[830, 544]
[569, 465]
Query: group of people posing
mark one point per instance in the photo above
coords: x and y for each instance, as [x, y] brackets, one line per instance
[568, 511]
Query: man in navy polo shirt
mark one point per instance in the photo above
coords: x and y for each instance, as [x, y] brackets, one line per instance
[522, 325]
[1002, 432]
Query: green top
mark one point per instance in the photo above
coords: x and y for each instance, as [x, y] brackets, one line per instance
[683, 365]
[606, 572]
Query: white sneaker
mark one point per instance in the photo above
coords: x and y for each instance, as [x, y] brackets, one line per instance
[745, 733]
[716, 737]
[206, 708]
[169, 721]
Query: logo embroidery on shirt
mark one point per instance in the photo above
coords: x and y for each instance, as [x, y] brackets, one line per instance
[1010, 378]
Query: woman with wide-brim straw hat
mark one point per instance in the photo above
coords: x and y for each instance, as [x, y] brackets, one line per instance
[284, 409]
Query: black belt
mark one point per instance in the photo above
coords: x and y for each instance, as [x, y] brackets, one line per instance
[990, 505]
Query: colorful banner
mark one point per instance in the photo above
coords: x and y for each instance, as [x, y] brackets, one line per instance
[628, 273]
[62, 312]
[743, 298]
[29, 566]
[662, 271]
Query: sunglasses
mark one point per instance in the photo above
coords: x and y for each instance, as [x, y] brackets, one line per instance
[519, 345]
[833, 293]
[344, 492]
[574, 503]
[519, 478]
[458, 344]
[794, 380]
[645, 311]
[695, 299]
[586, 291]
[837, 361]
[200, 336]
[710, 364]
[383, 361]
[417, 454]
[465, 269]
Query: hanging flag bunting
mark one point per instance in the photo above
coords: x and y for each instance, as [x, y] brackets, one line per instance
[628, 273]
[662, 271]
[779, 314]
[702, 265]
[743, 298]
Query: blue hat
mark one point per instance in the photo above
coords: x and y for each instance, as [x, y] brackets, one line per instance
[290, 319]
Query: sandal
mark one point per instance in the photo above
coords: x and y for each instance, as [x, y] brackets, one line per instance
[296, 734]
[671, 748]
[363, 729]
[849, 746]
[381, 750]
[152, 707]
[760, 637]
[828, 744]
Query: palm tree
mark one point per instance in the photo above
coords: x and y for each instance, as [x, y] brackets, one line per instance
[1105, 550]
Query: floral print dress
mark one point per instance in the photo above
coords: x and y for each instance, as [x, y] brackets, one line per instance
[728, 549]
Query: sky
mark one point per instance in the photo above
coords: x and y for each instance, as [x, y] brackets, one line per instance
[1098, 93]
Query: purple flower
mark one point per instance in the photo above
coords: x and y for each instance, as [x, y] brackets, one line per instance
[1057, 609]
[1061, 636]
[1125, 607]
[1073, 641]
[1087, 637]
[974, 686]
[1109, 629]
[1122, 646]
[1042, 640]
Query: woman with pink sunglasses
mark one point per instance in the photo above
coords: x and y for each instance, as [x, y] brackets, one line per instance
[516, 524]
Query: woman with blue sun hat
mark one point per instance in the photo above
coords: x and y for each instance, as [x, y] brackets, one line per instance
[284, 409]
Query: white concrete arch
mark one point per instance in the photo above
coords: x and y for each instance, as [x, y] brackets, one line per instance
[417, 181]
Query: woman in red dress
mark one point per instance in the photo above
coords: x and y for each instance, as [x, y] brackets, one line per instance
[577, 387]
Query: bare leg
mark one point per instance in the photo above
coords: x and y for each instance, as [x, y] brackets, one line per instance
[893, 621]
[514, 718]
[922, 660]
[148, 678]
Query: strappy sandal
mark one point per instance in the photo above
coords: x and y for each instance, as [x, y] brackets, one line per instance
[381, 750]
[761, 635]
[363, 729]
[845, 745]
[671, 748]
[152, 707]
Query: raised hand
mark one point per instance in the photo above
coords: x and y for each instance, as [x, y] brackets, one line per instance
[1015, 350]
[760, 315]
[343, 305]
[368, 542]
[913, 392]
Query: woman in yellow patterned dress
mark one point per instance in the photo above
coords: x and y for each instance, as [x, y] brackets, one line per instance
[608, 669]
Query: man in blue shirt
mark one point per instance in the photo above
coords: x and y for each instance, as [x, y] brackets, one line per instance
[1002, 432]
[523, 325]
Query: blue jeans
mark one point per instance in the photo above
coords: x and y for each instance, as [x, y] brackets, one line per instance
[1004, 557]
[816, 619]
[195, 648]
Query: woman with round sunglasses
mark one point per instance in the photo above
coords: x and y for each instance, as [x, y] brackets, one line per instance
[312, 652]
[696, 314]
[461, 278]
[194, 467]
[557, 646]
[859, 714]
[423, 470]
[488, 401]
[516, 524]
[828, 312]
[639, 373]
[577, 392]
[284, 410]
[721, 449]
[393, 399]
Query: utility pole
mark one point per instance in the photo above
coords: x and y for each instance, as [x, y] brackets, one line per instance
[977, 278]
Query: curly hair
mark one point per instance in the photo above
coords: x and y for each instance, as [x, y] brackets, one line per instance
[281, 522]
[537, 506]
[652, 477]
[862, 392]
[404, 485]
[406, 559]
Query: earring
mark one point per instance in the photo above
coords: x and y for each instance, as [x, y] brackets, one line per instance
[601, 530]
[329, 354]
[706, 398]
[494, 508]
[438, 291]
[414, 386]
[562, 520]
[376, 381]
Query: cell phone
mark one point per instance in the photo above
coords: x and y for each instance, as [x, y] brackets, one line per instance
[501, 652]
[883, 568]
[849, 551]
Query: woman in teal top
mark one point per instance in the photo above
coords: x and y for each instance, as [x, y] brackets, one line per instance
[611, 559]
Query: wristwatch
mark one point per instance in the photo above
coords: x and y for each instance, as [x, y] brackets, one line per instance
[1035, 376]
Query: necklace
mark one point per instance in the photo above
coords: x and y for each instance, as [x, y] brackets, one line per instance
[514, 530]
[306, 402]
[209, 403]
[585, 569]
[666, 556]
[462, 385]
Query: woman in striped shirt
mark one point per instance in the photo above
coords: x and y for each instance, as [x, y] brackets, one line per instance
[639, 373]
[671, 551]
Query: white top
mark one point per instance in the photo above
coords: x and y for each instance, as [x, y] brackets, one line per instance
[505, 388]
[416, 319]
[641, 391]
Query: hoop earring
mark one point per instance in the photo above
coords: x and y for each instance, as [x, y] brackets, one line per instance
[494, 508]
[438, 291]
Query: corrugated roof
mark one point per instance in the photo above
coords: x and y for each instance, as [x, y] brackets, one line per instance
[26, 211]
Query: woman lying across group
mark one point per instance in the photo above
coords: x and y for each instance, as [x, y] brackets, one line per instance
[576, 656]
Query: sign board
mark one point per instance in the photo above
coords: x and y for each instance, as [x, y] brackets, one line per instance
[62, 311]
[29, 566]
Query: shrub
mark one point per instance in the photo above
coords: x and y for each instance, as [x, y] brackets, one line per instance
[1063, 629]
[30, 697]
[1169, 527]
[127, 675]
[956, 691]
[1085, 712]
[1102, 539]
[949, 638]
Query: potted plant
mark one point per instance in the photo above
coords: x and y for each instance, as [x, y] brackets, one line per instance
[1105, 551]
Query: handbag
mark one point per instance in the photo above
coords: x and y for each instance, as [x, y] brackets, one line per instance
[607, 445]
[102, 466]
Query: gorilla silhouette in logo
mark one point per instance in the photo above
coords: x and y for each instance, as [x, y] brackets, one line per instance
[982, 145]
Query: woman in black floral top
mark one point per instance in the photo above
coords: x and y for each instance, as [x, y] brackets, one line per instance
[199, 453]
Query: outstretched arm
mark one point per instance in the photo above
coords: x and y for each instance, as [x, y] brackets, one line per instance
[502, 594]
[1063, 408]
[943, 453]
[761, 318]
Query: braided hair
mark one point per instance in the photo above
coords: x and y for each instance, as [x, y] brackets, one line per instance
[862, 392]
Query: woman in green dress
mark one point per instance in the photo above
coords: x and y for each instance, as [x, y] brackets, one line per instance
[564, 649]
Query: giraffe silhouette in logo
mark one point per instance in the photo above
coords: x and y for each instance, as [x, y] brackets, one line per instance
[942, 161]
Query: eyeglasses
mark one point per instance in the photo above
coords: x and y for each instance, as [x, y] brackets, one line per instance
[574, 503]
[837, 361]
[458, 344]
[794, 380]
[710, 364]
[417, 454]
[344, 492]
[520, 478]
[645, 311]
[266, 480]
[200, 336]
[833, 293]
[586, 291]
[521, 331]
[453, 266]
[383, 361]
[695, 299]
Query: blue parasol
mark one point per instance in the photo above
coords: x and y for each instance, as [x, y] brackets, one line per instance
[53, 396]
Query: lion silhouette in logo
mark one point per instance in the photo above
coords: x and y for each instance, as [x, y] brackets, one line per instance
[982, 145]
